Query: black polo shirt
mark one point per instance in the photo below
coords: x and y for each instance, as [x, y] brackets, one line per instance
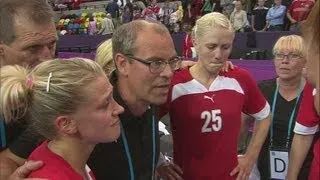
[282, 114]
[22, 139]
[260, 15]
[109, 160]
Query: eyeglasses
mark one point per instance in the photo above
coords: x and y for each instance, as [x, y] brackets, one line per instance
[290, 56]
[159, 66]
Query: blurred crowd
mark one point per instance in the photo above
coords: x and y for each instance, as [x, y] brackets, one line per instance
[245, 16]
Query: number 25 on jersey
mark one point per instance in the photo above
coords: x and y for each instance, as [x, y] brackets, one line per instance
[212, 121]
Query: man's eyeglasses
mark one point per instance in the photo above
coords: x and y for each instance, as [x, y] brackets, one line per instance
[159, 66]
[290, 56]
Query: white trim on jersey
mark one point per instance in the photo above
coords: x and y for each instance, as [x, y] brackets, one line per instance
[88, 170]
[263, 113]
[314, 92]
[304, 130]
[194, 87]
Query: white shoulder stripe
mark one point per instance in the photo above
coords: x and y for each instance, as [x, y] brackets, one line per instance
[263, 113]
[194, 87]
[88, 170]
[181, 89]
[314, 92]
[304, 130]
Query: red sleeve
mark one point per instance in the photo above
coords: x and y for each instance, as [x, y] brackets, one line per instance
[44, 173]
[255, 103]
[307, 120]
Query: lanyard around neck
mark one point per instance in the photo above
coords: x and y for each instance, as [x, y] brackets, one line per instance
[127, 149]
[275, 97]
[2, 133]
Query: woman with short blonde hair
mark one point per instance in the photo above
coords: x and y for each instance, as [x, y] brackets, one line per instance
[284, 95]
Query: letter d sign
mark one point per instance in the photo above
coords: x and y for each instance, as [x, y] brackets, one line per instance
[278, 164]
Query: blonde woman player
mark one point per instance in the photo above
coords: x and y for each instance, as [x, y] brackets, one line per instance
[205, 107]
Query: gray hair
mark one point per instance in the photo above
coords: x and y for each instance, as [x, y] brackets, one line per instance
[37, 11]
[124, 38]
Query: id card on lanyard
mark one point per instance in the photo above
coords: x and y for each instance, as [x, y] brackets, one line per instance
[127, 149]
[279, 158]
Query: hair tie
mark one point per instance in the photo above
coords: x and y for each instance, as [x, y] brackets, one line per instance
[29, 82]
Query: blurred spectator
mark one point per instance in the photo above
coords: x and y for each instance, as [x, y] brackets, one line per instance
[92, 27]
[59, 5]
[227, 7]
[258, 18]
[75, 4]
[107, 26]
[129, 6]
[238, 18]
[165, 13]
[189, 14]
[176, 18]
[298, 12]
[113, 9]
[152, 11]
[176, 28]
[207, 7]
[187, 43]
[140, 4]
[127, 14]
[275, 16]
[136, 13]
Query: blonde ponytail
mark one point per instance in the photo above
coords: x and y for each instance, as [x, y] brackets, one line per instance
[14, 92]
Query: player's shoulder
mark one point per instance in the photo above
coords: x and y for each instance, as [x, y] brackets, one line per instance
[181, 76]
[51, 171]
[237, 73]
[268, 83]
[309, 90]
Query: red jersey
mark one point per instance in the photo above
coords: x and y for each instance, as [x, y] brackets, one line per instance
[55, 167]
[206, 122]
[307, 123]
[299, 9]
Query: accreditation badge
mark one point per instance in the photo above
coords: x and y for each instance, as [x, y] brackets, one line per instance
[278, 164]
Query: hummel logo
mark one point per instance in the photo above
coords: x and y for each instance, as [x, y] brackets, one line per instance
[208, 97]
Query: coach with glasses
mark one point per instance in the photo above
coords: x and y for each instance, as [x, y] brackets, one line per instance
[141, 81]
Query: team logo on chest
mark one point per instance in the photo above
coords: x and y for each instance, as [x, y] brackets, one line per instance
[210, 98]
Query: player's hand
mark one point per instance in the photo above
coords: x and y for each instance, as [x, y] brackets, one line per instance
[244, 168]
[227, 66]
[23, 171]
[170, 171]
